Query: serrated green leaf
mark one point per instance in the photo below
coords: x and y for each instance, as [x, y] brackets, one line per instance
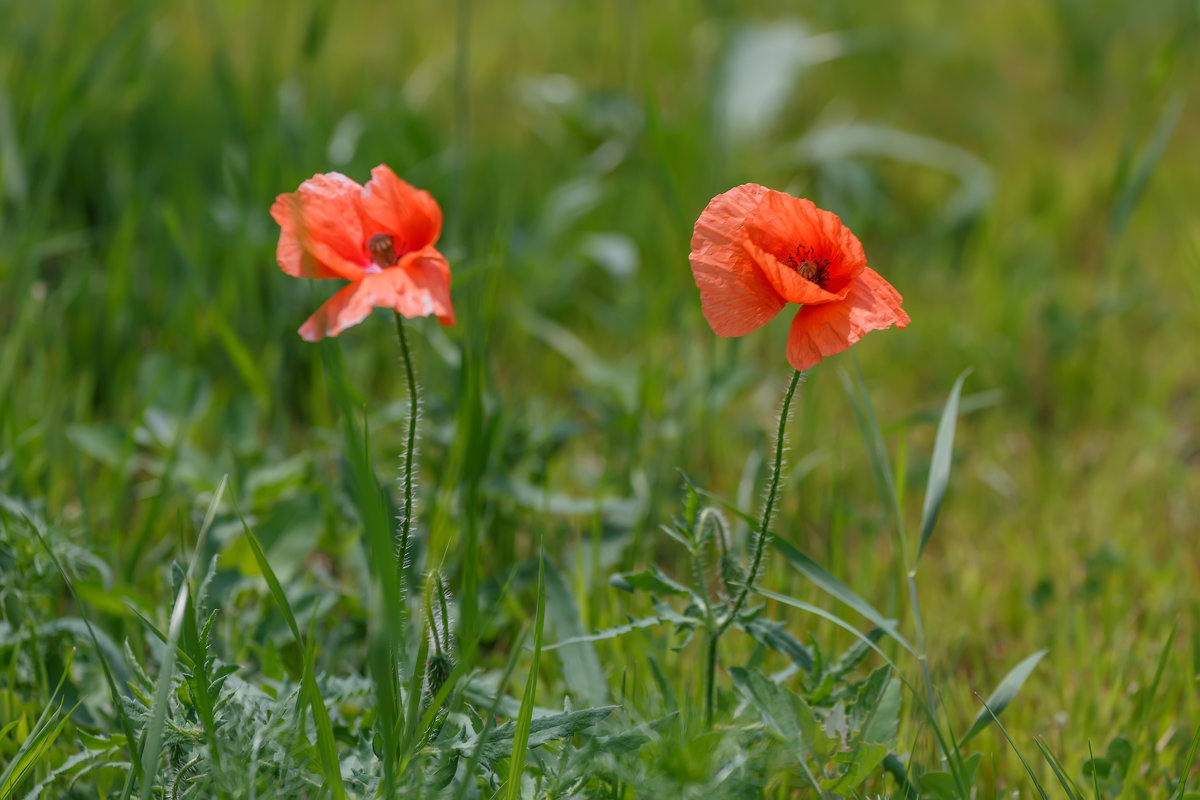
[543, 729]
[652, 580]
[772, 633]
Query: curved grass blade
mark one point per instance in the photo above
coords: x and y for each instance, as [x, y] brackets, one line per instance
[109, 678]
[326, 746]
[1187, 767]
[1013, 744]
[1003, 695]
[47, 728]
[516, 765]
[834, 587]
[166, 670]
[823, 614]
[1059, 770]
[162, 692]
[1148, 698]
[939, 468]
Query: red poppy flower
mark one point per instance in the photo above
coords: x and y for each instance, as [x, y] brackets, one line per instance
[379, 237]
[754, 250]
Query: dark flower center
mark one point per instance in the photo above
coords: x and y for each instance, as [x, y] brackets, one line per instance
[383, 249]
[809, 265]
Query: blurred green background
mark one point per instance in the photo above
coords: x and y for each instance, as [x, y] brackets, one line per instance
[1025, 173]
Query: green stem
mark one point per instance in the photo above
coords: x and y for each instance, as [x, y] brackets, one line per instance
[710, 675]
[764, 531]
[414, 403]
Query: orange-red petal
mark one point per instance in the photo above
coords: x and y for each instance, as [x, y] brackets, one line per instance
[410, 215]
[292, 257]
[734, 294]
[322, 230]
[784, 226]
[419, 286]
[822, 330]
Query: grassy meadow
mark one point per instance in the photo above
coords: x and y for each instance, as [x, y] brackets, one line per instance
[197, 507]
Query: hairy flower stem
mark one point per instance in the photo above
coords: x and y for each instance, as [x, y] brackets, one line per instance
[760, 546]
[764, 529]
[414, 408]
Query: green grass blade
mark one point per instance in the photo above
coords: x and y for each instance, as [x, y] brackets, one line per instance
[939, 468]
[516, 765]
[416, 681]
[389, 612]
[1187, 766]
[1148, 698]
[113, 691]
[47, 728]
[1003, 695]
[872, 434]
[490, 720]
[823, 614]
[835, 588]
[1156, 147]
[166, 670]
[326, 745]
[1013, 745]
[1060, 772]
[162, 693]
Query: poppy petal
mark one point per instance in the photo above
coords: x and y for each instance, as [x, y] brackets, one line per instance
[787, 228]
[416, 287]
[324, 219]
[735, 296]
[787, 282]
[292, 257]
[822, 330]
[345, 309]
[410, 215]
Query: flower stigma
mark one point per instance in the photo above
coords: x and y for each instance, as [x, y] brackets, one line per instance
[383, 250]
[809, 265]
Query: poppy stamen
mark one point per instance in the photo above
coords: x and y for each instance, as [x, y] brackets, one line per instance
[809, 265]
[383, 249]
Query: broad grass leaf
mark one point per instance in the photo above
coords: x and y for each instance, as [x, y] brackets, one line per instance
[1132, 187]
[581, 666]
[878, 707]
[940, 785]
[1003, 695]
[939, 467]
